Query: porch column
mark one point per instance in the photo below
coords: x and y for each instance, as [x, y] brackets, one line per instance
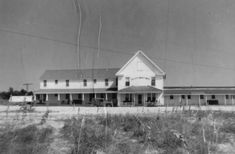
[46, 97]
[71, 97]
[145, 104]
[186, 100]
[83, 96]
[225, 101]
[106, 96]
[232, 99]
[95, 95]
[199, 100]
[206, 99]
[134, 99]
[58, 97]
[119, 99]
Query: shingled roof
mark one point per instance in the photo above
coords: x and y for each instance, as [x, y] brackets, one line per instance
[100, 73]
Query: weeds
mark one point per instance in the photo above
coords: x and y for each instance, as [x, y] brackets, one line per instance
[25, 140]
[183, 132]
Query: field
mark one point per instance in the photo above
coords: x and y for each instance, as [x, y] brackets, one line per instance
[122, 130]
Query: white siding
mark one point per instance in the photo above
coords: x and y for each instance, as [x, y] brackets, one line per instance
[139, 76]
[77, 84]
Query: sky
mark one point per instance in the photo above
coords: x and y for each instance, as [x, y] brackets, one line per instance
[191, 40]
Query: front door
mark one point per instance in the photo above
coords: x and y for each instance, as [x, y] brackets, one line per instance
[139, 99]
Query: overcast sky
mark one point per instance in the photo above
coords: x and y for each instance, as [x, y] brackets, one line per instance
[191, 40]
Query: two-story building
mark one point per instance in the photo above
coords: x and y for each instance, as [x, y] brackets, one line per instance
[138, 82]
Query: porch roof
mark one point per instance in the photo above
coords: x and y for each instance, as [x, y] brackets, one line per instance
[77, 91]
[140, 89]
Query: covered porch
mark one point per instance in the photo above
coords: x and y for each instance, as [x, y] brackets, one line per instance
[73, 96]
[139, 96]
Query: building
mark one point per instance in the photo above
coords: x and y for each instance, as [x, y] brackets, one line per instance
[199, 95]
[139, 82]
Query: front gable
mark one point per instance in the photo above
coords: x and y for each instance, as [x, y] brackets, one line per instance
[140, 65]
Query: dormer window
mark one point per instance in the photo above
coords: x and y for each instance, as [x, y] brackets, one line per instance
[153, 81]
[106, 82]
[67, 83]
[94, 80]
[56, 81]
[44, 83]
[127, 81]
[84, 82]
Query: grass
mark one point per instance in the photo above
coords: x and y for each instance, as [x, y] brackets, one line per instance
[194, 132]
[25, 140]
[168, 134]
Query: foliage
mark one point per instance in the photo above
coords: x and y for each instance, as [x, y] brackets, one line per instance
[6, 94]
[25, 140]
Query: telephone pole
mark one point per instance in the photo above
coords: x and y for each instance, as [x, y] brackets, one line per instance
[27, 86]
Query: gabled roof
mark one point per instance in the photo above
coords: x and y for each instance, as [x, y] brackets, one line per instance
[140, 89]
[146, 57]
[100, 73]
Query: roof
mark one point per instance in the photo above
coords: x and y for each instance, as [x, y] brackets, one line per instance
[145, 56]
[198, 90]
[65, 91]
[100, 73]
[140, 89]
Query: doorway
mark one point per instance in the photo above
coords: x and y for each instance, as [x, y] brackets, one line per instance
[140, 99]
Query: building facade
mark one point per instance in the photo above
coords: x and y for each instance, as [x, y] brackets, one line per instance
[139, 82]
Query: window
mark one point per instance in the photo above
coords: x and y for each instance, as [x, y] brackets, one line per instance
[171, 97]
[148, 97]
[182, 96]
[189, 96]
[67, 83]
[140, 66]
[106, 82]
[56, 81]
[127, 81]
[201, 96]
[153, 81]
[128, 98]
[84, 82]
[212, 96]
[94, 80]
[44, 83]
[227, 96]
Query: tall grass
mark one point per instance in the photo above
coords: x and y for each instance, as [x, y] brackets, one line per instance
[27, 140]
[181, 132]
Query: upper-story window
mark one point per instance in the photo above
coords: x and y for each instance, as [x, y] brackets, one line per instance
[140, 66]
[127, 81]
[84, 82]
[94, 80]
[67, 83]
[56, 81]
[106, 82]
[153, 81]
[44, 83]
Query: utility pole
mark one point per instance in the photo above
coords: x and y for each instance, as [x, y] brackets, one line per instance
[27, 86]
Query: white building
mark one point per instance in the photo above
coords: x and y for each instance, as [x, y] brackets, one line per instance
[139, 82]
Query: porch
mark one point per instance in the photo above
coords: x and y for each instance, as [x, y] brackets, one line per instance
[139, 96]
[76, 96]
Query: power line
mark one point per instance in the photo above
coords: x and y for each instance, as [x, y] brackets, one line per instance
[115, 51]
